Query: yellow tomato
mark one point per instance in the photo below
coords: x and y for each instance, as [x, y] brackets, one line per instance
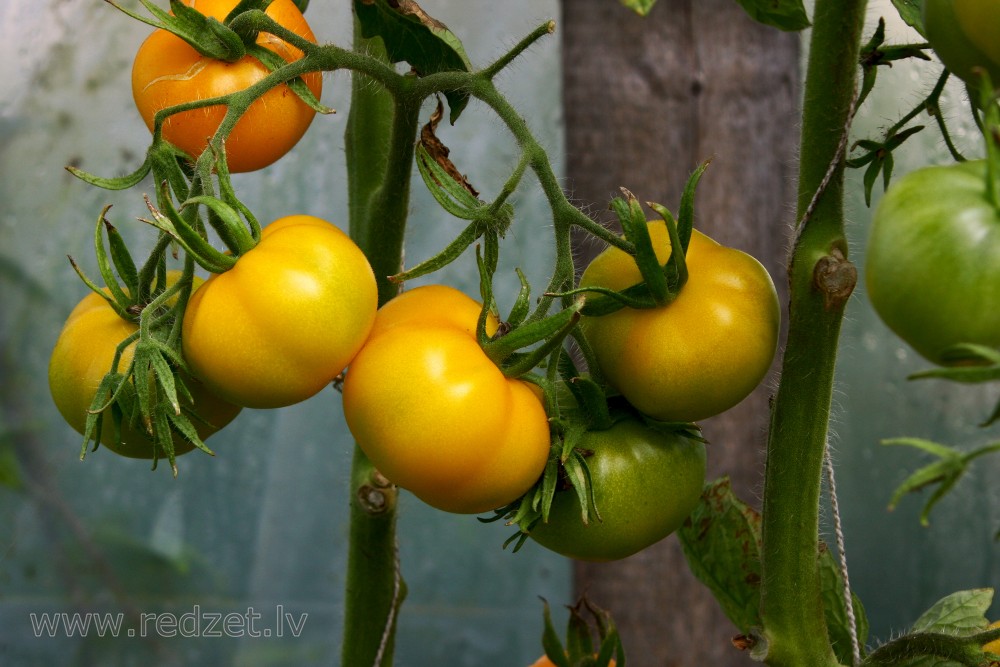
[435, 415]
[286, 319]
[82, 357]
[700, 354]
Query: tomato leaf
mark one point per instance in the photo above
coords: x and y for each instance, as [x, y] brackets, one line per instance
[640, 7]
[411, 36]
[722, 543]
[835, 608]
[912, 13]
[960, 613]
[945, 472]
[787, 15]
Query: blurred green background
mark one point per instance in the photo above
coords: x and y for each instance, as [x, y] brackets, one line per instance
[263, 524]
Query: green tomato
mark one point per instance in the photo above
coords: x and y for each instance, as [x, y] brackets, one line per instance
[965, 34]
[933, 264]
[646, 483]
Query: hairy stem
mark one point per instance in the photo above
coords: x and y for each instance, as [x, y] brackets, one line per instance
[379, 153]
[821, 279]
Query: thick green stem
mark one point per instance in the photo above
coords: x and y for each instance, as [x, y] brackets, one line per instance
[821, 279]
[379, 148]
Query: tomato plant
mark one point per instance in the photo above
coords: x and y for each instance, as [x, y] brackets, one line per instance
[435, 415]
[700, 354]
[286, 319]
[933, 264]
[965, 35]
[83, 354]
[646, 482]
[168, 71]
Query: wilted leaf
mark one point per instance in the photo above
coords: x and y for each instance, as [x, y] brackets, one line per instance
[722, 543]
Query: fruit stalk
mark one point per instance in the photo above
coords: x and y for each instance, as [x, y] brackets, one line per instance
[821, 279]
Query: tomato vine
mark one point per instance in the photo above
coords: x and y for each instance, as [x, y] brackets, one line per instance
[568, 415]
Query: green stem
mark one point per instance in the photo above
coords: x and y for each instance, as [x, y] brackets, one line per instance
[379, 149]
[821, 279]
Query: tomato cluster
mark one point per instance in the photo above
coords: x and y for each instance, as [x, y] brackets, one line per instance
[435, 396]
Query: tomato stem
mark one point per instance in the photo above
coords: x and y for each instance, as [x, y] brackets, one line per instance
[795, 630]
[379, 150]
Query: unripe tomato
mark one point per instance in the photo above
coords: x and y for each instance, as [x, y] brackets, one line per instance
[932, 269]
[965, 34]
[82, 357]
[646, 482]
[702, 353]
[435, 415]
[168, 71]
[286, 319]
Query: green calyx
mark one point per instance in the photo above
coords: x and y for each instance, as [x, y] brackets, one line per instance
[990, 125]
[142, 295]
[587, 622]
[205, 34]
[129, 290]
[661, 283]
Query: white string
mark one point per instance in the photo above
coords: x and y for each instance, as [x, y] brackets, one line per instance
[391, 620]
[842, 558]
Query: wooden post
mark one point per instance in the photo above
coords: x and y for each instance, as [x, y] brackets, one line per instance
[646, 101]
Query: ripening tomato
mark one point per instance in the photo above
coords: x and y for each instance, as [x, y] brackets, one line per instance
[993, 646]
[645, 481]
[965, 34]
[82, 357]
[435, 415]
[699, 355]
[286, 319]
[168, 71]
[932, 269]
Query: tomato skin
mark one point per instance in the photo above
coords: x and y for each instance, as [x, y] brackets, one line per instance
[286, 319]
[83, 355]
[933, 265]
[699, 355]
[435, 415]
[965, 34]
[168, 71]
[646, 483]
